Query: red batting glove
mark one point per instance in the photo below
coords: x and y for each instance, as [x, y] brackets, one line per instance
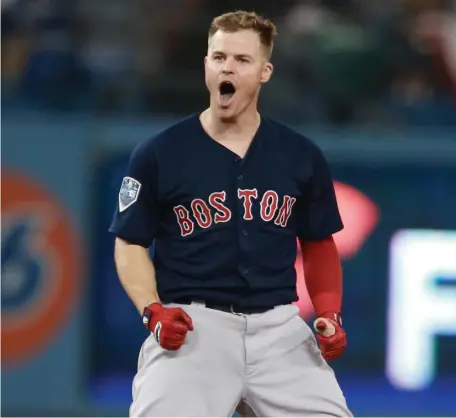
[330, 334]
[168, 325]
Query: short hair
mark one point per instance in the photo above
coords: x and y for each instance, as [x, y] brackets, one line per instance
[243, 20]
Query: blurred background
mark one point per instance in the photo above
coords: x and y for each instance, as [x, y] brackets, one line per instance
[372, 82]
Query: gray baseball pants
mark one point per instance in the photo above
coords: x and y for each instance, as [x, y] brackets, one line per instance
[270, 361]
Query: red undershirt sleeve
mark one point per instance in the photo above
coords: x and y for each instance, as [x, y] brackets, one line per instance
[323, 274]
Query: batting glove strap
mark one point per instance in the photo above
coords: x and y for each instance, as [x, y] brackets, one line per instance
[156, 332]
[332, 316]
[148, 314]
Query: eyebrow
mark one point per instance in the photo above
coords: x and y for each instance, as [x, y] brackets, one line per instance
[236, 55]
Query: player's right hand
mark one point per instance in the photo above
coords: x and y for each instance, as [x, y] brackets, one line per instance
[168, 325]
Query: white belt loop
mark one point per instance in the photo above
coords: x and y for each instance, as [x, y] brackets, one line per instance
[195, 303]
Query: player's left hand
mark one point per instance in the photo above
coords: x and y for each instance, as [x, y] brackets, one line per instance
[330, 335]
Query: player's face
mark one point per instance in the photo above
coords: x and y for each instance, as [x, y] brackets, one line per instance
[236, 66]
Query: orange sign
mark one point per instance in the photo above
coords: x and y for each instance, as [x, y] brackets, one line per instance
[40, 267]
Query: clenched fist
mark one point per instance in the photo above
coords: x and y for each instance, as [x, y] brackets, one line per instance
[168, 325]
[330, 335]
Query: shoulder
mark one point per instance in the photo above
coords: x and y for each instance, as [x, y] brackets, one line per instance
[168, 138]
[291, 141]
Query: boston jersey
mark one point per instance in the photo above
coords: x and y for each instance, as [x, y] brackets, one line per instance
[224, 228]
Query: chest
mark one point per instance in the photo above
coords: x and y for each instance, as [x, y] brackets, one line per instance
[207, 191]
[235, 146]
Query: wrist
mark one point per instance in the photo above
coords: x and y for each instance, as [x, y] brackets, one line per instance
[148, 314]
[146, 302]
[331, 315]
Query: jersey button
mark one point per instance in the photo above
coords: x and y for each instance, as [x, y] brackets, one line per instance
[245, 272]
[244, 232]
[240, 177]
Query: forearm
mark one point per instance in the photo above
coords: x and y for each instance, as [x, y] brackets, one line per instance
[136, 273]
[323, 275]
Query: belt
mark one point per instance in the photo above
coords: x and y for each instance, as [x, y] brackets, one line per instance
[226, 307]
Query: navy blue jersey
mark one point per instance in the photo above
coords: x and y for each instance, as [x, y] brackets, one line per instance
[224, 228]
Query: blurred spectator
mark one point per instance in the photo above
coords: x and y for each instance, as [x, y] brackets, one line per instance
[336, 61]
[40, 52]
[15, 43]
[108, 47]
[423, 80]
[434, 30]
[335, 53]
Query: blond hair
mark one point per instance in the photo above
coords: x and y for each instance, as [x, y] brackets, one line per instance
[242, 20]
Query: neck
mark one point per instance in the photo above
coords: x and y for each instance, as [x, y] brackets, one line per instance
[244, 123]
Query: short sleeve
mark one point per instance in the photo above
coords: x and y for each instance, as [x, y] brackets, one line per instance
[318, 213]
[135, 217]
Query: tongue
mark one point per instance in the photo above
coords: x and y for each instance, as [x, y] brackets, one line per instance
[225, 98]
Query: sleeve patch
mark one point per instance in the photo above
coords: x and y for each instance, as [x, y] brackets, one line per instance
[128, 193]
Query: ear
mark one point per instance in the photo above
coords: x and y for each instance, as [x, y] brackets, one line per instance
[266, 74]
[205, 61]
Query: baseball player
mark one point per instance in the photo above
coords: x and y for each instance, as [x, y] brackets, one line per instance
[223, 195]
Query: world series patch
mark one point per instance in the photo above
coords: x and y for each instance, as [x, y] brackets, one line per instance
[128, 193]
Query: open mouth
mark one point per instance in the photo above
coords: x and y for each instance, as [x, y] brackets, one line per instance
[226, 90]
